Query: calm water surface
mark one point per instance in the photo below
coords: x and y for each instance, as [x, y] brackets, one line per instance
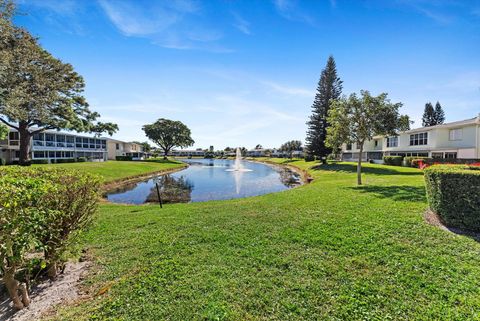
[208, 179]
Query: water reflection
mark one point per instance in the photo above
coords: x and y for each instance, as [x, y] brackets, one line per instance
[208, 179]
[172, 190]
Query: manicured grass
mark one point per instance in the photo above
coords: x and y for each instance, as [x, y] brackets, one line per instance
[327, 250]
[114, 170]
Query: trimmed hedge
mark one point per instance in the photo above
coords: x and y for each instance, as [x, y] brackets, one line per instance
[65, 160]
[81, 159]
[393, 160]
[123, 158]
[409, 160]
[39, 161]
[453, 192]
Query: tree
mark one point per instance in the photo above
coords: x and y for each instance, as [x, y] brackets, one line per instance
[38, 91]
[145, 145]
[168, 134]
[439, 114]
[291, 146]
[259, 146]
[359, 119]
[3, 131]
[329, 88]
[428, 118]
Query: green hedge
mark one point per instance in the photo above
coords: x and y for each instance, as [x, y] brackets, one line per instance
[408, 160]
[393, 160]
[65, 160]
[309, 158]
[453, 192]
[42, 210]
[81, 159]
[39, 161]
[123, 158]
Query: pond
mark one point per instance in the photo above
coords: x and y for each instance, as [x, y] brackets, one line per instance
[208, 179]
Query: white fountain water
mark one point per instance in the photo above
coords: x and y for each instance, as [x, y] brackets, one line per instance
[238, 165]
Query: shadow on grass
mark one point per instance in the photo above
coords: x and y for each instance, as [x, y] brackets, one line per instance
[162, 161]
[395, 192]
[376, 170]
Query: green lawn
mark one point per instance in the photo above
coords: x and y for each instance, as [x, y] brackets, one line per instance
[113, 170]
[328, 250]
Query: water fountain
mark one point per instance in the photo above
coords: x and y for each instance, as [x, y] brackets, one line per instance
[238, 166]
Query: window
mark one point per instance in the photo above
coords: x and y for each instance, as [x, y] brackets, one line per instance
[376, 143]
[456, 134]
[13, 136]
[392, 141]
[419, 139]
[51, 154]
[38, 136]
[39, 154]
[437, 155]
[349, 146]
[451, 155]
[117, 146]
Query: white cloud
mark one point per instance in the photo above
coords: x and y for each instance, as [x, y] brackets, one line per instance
[241, 24]
[286, 90]
[170, 24]
[289, 10]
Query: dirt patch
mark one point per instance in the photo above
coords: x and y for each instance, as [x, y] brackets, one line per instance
[306, 178]
[48, 294]
[432, 218]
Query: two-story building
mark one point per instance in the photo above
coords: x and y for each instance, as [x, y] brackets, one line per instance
[119, 148]
[54, 145]
[460, 139]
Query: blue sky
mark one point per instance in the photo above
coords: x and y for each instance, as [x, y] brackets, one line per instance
[241, 73]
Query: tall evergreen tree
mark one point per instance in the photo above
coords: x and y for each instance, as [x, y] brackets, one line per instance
[428, 118]
[439, 114]
[329, 88]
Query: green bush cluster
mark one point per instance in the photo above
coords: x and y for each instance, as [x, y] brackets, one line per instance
[65, 160]
[39, 161]
[123, 158]
[453, 192]
[41, 213]
[309, 158]
[81, 159]
[3, 162]
[393, 160]
[409, 160]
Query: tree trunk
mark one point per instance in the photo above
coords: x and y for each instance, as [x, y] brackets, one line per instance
[14, 287]
[359, 166]
[24, 159]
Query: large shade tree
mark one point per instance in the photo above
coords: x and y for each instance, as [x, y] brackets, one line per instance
[329, 88]
[358, 118]
[168, 134]
[38, 91]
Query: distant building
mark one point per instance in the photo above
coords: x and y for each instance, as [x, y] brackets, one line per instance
[188, 152]
[261, 152]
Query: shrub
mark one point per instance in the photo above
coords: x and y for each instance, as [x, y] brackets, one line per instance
[3, 162]
[393, 160]
[65, 160]
[453, 192]
[409, 160]
[123, 158]
[309, 158]
[81, 159]
[39, 161]
[41, 209]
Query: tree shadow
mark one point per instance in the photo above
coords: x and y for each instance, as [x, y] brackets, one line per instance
[162, 161]
[395, 192]
[375, 170]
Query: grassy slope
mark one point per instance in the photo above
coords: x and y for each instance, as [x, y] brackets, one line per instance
[328, 250]
[113, 170]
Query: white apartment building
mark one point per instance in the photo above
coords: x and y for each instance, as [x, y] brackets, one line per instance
[460, 139]
[54, 145]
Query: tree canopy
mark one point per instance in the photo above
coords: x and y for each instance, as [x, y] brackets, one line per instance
[38, 91]
[433, 116]
[329, 88]
[168, 134]
[291, 146]
[357, 119]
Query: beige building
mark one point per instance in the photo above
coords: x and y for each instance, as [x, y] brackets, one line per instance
[460, 139]
[119, 148]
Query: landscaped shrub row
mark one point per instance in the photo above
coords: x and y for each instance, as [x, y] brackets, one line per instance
[393, 160]
[123, 158]
[410, 160]
[41, 212]
[453, 192]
